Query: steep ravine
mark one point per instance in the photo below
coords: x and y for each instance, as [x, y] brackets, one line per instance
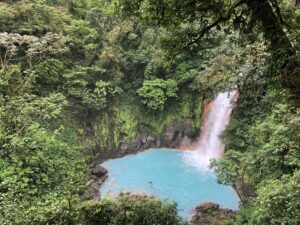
[127, 129]
[179, 134]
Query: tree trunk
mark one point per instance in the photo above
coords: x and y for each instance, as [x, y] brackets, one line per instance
[272, 28]
[239, 195]
[285, 61]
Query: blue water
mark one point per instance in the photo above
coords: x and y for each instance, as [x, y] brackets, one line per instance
[164, 173]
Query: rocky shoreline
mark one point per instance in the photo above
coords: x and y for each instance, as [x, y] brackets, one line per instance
[178, 135]
[98, 174]
[209, 213]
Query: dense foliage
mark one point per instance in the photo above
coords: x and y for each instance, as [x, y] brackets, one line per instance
[66, 68]
[123, 210]
[130, 210]
[79, 77]
[262, 140]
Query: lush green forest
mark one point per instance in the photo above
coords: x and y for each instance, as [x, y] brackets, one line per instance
[82, 79]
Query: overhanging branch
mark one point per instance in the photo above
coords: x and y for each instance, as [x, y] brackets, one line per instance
[216, 23]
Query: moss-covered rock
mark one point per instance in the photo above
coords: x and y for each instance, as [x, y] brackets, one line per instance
[128, 128]
[209, 213]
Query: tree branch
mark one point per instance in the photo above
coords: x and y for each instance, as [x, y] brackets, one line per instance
[214, 24]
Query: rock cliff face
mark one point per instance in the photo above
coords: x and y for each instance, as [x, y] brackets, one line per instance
[176, 135]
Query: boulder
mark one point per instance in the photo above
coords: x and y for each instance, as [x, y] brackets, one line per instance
[209, 213]
[98, 171]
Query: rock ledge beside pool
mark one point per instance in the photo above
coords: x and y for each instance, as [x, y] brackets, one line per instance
[209, 213]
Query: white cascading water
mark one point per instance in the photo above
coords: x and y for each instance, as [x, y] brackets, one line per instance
[216, 116]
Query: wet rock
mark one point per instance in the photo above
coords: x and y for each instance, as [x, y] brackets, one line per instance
[124, 145]
[98, 175]
[144, 138]
[177, 133]
[209, 213]
[98, 171]
[186, 143]
[93, 177]
[150, 142]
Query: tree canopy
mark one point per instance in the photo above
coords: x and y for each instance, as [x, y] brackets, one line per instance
[80, 78]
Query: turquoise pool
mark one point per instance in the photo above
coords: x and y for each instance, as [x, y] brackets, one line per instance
[165, 173]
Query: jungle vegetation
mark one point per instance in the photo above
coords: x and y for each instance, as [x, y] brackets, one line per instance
[65, 64]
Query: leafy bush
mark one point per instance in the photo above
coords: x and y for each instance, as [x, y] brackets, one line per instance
[134, 210]
[155, 93]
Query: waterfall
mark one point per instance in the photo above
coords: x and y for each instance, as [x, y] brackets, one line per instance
[216, 116]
